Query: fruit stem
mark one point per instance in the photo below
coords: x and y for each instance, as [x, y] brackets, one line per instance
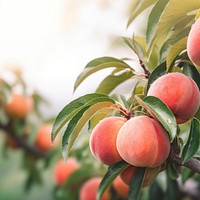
[125, 112]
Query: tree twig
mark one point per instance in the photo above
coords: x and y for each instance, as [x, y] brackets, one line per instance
[193, 164]
[22, 143]
[147, 73]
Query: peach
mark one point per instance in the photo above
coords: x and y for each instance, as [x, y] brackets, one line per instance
[43, 138]
[193, 43]
[103, 140]
[150, 175]
[143, 142]
[63, 170]
[179, 92]
[90, 188]
[121, 187]
[18, 106]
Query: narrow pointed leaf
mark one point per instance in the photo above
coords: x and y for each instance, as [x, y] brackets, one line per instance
[175, 50]
[77, 123]
[173, 12]
[128, 42]
[112, 81]
[112, 173]
[156, 192]
[139, 8]
[172, 189]
[173, 170]
[99, 64]
[136, 183]
[158, 71]
[101, 114]
[121, 100]
[179, 31]
[161, 112]
[78, 176]
[192, 72]
[153, 20]
[193, 142]
[73, 108]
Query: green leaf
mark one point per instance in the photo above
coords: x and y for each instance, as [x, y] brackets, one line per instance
[99, 64]
[129, 42]
[193, 143]
[192, 72]
[156, 192]
[173, 11]
[175, 50]
[179, 31]
[101, 114]
[197, 16]
[153, 20]
[73, 108]
[197, 115]
[112, 173]
[172, 189]
[77, 123]
[186, 174]
[139, 8]
[173, 170]
[139, 46]
[161, 112]
[113, 80]
[158, 71]
[121, 100]
[136, 183]
[78, 176]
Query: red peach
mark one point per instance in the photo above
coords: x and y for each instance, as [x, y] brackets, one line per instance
[150, 175]
[193, 43]
[90, 188]
[63, 170]
[143, 142]
[103, 140]
[43, 138]
[179, 92]
[18, 106]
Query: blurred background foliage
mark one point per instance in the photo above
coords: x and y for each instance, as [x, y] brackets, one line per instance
[44, 45]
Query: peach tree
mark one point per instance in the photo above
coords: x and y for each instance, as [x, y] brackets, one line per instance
[160, 115]
[23, 127]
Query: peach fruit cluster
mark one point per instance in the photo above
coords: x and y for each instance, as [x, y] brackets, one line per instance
[142, 141]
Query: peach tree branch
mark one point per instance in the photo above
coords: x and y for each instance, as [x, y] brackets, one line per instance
[21, 142]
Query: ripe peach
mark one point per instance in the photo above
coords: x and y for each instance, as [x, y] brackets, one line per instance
[18, 106]
[150, 175]
[43, 138]
[179, 92]
[103, 140]
[121, 187]
[63, 170]
[143, 142]
[193, 43]
[90, 188]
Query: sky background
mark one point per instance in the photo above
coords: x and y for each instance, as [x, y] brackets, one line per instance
[53, 40]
